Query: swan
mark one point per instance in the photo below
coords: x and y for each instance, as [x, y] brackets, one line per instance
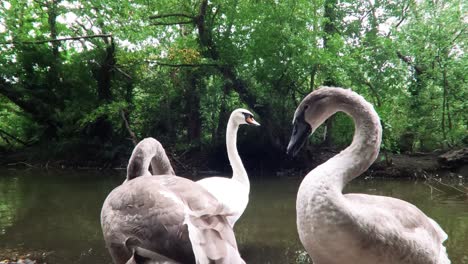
[148, 151]
[356, 228]
[232, 192]
[165, 218]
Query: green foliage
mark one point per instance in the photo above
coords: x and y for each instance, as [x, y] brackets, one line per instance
[111, 110]
[179, 84]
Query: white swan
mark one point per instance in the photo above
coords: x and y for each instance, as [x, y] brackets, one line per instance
[233, 192]
[165, 218]
[356, 228]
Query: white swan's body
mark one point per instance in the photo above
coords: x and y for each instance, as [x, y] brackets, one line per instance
[356, 228]
[165, 218]
[233, 192]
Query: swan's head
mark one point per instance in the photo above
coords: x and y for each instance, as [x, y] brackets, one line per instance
[316, 107]
[243, 117]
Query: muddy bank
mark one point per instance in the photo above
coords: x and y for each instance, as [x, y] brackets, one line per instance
[21, 256]
[452, 163]
[421, 165]
[392, 165]
[405, 166]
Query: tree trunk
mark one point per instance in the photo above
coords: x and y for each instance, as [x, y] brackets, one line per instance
[102, 128]
[229, 73]
[329, 28]
[104, 73]
[192, 108]
[222, 117]
[313, 73]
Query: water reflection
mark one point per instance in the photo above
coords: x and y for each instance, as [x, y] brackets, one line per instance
[58, 213]
[11, 199]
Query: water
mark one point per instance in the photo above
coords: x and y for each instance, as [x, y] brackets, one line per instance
[56, 214]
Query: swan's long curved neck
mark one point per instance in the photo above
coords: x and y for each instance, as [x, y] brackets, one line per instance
[238, 170]
[364, 149]
[148, 151]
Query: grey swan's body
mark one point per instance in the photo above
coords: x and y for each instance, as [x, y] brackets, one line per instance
[356, 228]
[232, 192]
[167, 219]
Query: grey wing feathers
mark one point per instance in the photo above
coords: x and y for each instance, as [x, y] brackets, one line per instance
[165, 218]
[215, 237]
[142, 208]
[171, 216]
[144, 256]
[406, 225]
[402, 213]
[211, 235]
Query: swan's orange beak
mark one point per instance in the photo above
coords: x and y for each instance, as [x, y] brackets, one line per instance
[251, 121]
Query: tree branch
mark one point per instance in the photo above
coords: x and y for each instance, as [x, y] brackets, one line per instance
[403, 17]
[418, 69]
[127, 126]
[172, 23]
[183, 64]
[374, 91]
[3, 132]
[123, 73]
[178, 15]
[59, 39]
[171, 15]
[458, 35]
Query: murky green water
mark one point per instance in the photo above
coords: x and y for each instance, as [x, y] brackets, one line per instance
[58, 213]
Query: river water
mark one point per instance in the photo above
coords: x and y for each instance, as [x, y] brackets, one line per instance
[55, 215]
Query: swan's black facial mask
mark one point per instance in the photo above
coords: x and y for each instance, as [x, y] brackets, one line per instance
[301, 131]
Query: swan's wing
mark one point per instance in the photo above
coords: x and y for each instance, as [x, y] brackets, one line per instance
[144, 256]
[402, 213]
[143, 208]
[230, 193]
[170, 215]
[213, 239]
[210, 233]
[390, 220]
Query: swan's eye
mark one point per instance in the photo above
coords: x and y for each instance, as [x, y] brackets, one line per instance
[306, 106]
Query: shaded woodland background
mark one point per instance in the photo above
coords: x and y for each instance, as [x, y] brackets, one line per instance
[77, 78]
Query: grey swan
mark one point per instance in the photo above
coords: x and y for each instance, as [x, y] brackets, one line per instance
[356, 228]
[164, 218]
[233, 192]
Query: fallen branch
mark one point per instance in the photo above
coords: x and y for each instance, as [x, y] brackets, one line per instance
[22, 163]
[447, 188]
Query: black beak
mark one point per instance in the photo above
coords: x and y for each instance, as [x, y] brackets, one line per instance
[301, 131]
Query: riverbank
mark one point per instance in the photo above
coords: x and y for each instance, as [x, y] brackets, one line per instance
[21, 256]
[388, 165]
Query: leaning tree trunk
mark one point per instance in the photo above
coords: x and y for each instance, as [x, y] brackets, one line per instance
[329, 28]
